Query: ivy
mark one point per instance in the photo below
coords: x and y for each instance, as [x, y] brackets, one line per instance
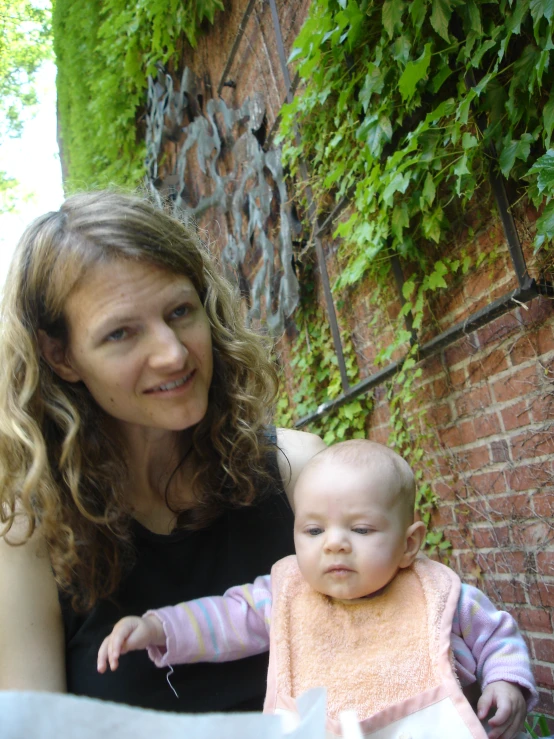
[404, 107]
[316, 376]
[105, 50]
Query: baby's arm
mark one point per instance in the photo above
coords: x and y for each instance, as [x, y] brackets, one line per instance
[129, 634]
[214, 629]
[500, 660]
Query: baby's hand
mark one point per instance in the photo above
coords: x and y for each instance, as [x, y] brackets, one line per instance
[128, 635]
[511, 709]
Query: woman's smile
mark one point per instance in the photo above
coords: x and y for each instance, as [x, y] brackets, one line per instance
[139, 335]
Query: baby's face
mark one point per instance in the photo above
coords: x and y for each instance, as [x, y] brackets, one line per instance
[350, 541]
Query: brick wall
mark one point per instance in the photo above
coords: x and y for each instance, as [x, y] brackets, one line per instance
[488, 399]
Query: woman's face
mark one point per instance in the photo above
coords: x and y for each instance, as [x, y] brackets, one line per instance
[140, 340]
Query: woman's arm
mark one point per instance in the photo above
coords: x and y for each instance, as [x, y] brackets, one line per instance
[31, 629]
[296, 448]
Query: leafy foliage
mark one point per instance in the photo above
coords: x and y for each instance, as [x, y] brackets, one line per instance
[406, 103]
[24, 45]
[403, 108]
[317, 376]
[105, 51]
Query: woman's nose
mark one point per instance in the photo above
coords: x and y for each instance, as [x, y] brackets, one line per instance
[166, 350]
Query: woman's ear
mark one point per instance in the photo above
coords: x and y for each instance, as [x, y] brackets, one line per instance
[414, 539]
[55, 355]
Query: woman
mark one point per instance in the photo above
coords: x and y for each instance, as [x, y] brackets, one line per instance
[135, 467]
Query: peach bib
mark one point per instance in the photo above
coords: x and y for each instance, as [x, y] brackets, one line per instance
[386, 657]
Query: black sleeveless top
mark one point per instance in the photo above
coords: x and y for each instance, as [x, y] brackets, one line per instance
[242, 544]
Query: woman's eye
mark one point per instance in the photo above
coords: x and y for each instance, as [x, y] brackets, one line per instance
[118, 335]
[181, 311]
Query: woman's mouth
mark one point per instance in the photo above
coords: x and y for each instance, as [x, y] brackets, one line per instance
[166, 387]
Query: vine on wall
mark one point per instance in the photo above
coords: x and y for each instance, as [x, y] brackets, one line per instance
[105, 50]
[316, 376]
[403, 108]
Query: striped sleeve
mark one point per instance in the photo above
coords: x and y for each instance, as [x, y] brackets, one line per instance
[217, 628]
[488, 646]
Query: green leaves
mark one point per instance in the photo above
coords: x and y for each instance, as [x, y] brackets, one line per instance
[440, 17]
[414, 73]
[104, 51]
[544, 168]
[515, 150]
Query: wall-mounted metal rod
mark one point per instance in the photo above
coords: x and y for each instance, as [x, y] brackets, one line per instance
[446, 338]
[510, 231]
[281, 49]
[312, 215]
[236, 44]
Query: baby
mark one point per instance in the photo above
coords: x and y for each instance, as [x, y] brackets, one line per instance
[389, 633]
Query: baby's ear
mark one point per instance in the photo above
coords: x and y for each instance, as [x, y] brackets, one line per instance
[414, 539]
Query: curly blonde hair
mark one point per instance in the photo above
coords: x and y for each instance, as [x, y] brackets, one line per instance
[60, 465]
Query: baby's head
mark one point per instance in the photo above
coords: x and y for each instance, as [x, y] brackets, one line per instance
[354, 519]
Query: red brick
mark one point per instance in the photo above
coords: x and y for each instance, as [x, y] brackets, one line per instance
[546, 705]
[533, 444]
[516, 415]
[544, 649]
[517, 385]
[443, 516]
[477, 284]
[458, 378]
[483, 368]
[485, 538]
[523, 350]
[509, 562]
[500, 451]
[505, 591]
[531, 534]
[498, 329]
[542, 408]
[439, 414]
[433, 366]
[533, 619]
[510, 506]
[528, 477]
[541, 593]
[445, 491]
[457, 538]
[538, 311]
[545, 563]
[473, 400]
[462, 349]
[469, 513]
[380, 435]
[543, 502]
[544, 676]
[486, 426]
[451, 437]
[475, 459]
[440, 388]
[545, 340]
[488, 483]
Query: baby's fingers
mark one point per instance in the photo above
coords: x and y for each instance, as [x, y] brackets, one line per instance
[103, 655]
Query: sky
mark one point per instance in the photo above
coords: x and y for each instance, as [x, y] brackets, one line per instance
[34, 161]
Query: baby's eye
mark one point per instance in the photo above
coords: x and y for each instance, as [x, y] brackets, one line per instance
[361, 530]
[118, 335]
[314, 531]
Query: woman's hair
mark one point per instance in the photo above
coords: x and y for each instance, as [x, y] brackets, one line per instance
[60, 463]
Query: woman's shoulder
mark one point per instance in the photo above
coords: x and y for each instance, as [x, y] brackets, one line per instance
[294, 451]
